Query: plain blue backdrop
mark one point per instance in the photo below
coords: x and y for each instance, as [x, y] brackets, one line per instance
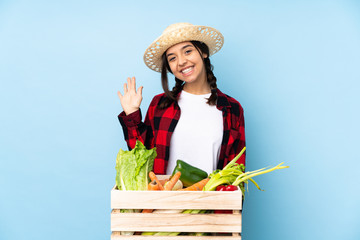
[293, 65]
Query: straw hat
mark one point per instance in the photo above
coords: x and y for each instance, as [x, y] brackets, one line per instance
[181, 32]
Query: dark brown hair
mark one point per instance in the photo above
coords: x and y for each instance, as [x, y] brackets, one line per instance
[172, 95]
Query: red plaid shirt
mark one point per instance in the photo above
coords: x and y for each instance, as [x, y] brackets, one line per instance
[159, 125]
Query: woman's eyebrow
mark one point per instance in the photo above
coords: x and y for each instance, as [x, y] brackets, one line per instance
[186, 46]
[181, 49]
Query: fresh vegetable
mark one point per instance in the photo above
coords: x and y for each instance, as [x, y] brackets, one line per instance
[156, 185]
[132, 169]
[153, 177]
[199, 234]
[189, 173]
[197, 186]
[147, 211]
[227, 175]
[221, 188]
[153, 186]
[168, 211]
[249, 175]
[173, 180]
[226, 188]
[178, 185]
[234, 174]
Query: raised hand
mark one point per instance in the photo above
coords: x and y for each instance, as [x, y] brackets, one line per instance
[131, 99]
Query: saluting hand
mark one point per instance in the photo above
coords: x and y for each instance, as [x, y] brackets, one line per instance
[131, 99]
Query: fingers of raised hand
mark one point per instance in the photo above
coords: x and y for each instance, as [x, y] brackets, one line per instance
[130, 87]
[125, 88]
[119, 94]
[139, 91]
[131, 84]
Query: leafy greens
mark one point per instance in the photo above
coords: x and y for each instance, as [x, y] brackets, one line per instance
[133, 167]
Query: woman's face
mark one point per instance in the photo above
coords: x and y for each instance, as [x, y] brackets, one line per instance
[186, 63]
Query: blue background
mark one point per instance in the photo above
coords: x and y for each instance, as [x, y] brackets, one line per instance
[293, 65]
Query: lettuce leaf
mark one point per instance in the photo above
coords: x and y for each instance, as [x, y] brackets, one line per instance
[133, 167]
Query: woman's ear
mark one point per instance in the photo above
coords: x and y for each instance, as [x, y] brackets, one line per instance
[204, 55]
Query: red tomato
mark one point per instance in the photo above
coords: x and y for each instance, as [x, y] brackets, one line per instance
[221, 188]
[231, 188]
[225, 188]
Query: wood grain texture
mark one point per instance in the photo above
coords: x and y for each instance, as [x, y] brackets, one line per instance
[181, 222]
[211, 200]
[117, 236]
[176, 222]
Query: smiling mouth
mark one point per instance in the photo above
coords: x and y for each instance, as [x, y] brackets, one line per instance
[187, 71]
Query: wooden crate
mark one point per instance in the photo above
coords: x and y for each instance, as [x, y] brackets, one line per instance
[224, 226]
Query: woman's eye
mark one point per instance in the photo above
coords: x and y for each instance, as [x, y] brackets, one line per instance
[171, 59]
[188, 51]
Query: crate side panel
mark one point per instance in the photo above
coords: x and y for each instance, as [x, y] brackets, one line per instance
[165, 222]
[176, 200]
[117, 236]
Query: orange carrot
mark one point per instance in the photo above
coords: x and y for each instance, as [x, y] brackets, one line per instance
[153, 186]
[147, 210]
[173, 180]
[154, 178]
[196, 186]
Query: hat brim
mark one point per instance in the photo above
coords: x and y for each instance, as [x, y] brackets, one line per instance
[208, 35]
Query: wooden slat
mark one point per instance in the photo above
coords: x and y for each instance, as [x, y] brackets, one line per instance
[235, 234]
[166, 222]
[117, 236]
[176, 200]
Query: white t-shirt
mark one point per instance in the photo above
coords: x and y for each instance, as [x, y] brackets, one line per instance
[198, 134]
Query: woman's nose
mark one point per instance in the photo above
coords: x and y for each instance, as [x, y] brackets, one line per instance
[182, 60]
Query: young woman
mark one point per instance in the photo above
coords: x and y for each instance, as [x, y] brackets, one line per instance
[195, 121]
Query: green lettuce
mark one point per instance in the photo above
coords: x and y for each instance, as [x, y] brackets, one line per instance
[133, 167]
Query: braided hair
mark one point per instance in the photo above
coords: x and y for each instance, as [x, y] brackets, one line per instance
[179, 84]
